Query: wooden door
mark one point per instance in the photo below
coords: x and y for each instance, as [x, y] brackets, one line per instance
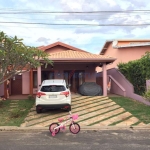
[75, 78]
[16, 85]
[68, 76]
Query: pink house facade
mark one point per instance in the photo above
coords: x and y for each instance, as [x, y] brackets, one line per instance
[124, 50]
[72, 64]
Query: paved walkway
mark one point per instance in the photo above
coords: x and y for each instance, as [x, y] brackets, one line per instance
[13, 105]
[92, 111]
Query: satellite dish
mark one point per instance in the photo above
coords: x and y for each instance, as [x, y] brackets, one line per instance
[114, 44]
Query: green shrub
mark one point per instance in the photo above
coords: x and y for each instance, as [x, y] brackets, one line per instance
[30, 97]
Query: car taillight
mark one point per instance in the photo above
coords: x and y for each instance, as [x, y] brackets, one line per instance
[66, 93]
[39, 94]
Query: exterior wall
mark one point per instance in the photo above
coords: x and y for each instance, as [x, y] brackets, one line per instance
[124, 54]
[147, 85]
[122, 81]
[26, 83]
[116, 89]
[1, 89]
[90, 74]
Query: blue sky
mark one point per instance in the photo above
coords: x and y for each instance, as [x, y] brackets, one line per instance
[89, 37]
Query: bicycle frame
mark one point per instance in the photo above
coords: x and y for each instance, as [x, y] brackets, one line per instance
[70, 119]
[73, 127]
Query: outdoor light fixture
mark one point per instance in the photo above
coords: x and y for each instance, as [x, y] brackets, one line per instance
[100, 65]
[87, 67]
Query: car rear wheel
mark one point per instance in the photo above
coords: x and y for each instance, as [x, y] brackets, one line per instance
[38, 110]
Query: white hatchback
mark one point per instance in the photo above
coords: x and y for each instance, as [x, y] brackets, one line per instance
[53, 94]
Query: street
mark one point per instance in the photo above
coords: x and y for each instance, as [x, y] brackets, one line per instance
[85, 140]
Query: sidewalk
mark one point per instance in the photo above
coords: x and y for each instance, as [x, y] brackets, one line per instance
[15, 128]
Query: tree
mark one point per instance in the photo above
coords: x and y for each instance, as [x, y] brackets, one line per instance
[16, 58]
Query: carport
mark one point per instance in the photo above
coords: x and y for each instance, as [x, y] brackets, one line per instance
[70, 65]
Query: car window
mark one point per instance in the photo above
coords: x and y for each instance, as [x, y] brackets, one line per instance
[53, 88]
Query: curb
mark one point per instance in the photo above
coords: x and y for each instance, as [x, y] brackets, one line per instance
[83, 128]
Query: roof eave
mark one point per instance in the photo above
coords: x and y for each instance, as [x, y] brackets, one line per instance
[83, 59]
[106, 44]
[133, 40]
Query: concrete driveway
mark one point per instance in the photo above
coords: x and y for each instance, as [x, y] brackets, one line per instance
[92, 111]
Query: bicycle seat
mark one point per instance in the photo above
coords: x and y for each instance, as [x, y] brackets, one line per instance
[75, 116]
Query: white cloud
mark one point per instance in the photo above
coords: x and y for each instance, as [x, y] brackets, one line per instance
[111, 2]
[74, 5]
[140, 33]
[85, 37]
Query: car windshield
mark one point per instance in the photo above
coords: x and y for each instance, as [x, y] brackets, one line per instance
[53, 88]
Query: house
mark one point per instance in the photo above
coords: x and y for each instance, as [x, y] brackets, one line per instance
[72, 64]
[124, 50]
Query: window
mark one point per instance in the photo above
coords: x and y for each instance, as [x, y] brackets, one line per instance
[47, 75]
[81, 77]
[53, 88]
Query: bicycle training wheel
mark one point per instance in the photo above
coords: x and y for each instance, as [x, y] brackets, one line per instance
[52, 126]
[74, 128]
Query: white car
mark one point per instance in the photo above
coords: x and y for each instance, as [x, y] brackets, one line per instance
[53, 94]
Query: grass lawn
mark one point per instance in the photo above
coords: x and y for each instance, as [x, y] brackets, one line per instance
[14, 116]
[139, 110]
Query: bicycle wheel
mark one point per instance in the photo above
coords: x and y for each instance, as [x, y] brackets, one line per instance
[52, 126]
[74, 128]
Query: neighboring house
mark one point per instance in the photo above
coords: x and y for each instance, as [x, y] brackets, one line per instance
[72, 64]
[124, 50]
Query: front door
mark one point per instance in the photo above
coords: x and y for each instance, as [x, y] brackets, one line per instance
[16, 85]
[75, 78]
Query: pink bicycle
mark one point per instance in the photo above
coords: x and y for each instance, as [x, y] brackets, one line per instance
[74, 128]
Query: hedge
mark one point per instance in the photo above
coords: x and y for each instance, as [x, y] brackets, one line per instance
[137, 72]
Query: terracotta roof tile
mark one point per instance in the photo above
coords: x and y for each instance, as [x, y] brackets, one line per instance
[76, 54]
